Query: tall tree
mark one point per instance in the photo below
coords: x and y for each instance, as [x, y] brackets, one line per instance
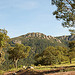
[71, 50]
[66, 12]
[18, 52]
[3, 38]
[3, 42]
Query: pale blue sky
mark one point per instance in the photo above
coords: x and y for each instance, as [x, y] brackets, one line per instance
[19, 17]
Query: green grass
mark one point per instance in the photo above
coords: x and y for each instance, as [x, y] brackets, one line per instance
[43, 68]
[13, 69]
[1, 72]
[50, 67]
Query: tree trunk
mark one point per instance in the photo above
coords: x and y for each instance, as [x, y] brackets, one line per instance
[70, 61]
[15, 63]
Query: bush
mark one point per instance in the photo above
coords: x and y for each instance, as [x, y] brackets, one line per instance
[39, 65]
[11, 66]
[32, 65]
[20, 66]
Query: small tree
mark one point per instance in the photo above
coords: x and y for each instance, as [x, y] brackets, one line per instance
[18, 52]
[71, 50]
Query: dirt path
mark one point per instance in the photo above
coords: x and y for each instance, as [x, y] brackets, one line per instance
[40, 73]
[9, 73]
[63, 73]
[45, 72]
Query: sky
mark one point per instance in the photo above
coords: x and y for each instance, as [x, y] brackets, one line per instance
[20, 17]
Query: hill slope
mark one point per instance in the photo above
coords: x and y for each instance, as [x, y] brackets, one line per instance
[66, 39]
[38, 42]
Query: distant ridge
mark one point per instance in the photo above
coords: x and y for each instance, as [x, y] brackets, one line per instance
[67, 38]
[38, 35]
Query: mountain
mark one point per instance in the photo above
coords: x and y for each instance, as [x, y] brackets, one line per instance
[33, 36]
[39, 41]
[55, 41]
[67, 38]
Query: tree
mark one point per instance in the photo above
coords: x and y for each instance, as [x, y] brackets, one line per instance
[71, 44]
[66, 12]
[71, 50]
[51, 55]
[3, 42]
[47, 57]
[18, 52]
[3, 38]
[61, 54]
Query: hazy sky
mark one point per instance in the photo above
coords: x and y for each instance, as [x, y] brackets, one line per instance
[19, 17]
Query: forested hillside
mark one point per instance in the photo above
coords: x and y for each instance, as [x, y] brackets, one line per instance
[38, 42]
[66, 39]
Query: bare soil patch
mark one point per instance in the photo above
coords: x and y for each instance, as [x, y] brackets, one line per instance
[24, 72]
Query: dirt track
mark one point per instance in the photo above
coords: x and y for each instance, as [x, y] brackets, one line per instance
[57, 71]
[24, 72]
[63, 73]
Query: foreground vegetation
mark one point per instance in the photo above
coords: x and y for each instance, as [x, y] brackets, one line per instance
[67, 67]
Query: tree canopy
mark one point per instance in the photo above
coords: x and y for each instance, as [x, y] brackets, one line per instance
[3, 37]
[18, 52]
[66, 12]
[3, 42]
[71, 51]
[51, 55]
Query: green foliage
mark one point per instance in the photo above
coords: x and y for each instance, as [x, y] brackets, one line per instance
[18, 52]
[71, 44]
[3, 37]
[66, 12]
[51, 55]
[37, 46]
[3, 42]
[71, 50]
[2, 59]
[61, 54]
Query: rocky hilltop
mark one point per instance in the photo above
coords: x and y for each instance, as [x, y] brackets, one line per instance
[40, 35]
[67, 38]
[34, 36]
